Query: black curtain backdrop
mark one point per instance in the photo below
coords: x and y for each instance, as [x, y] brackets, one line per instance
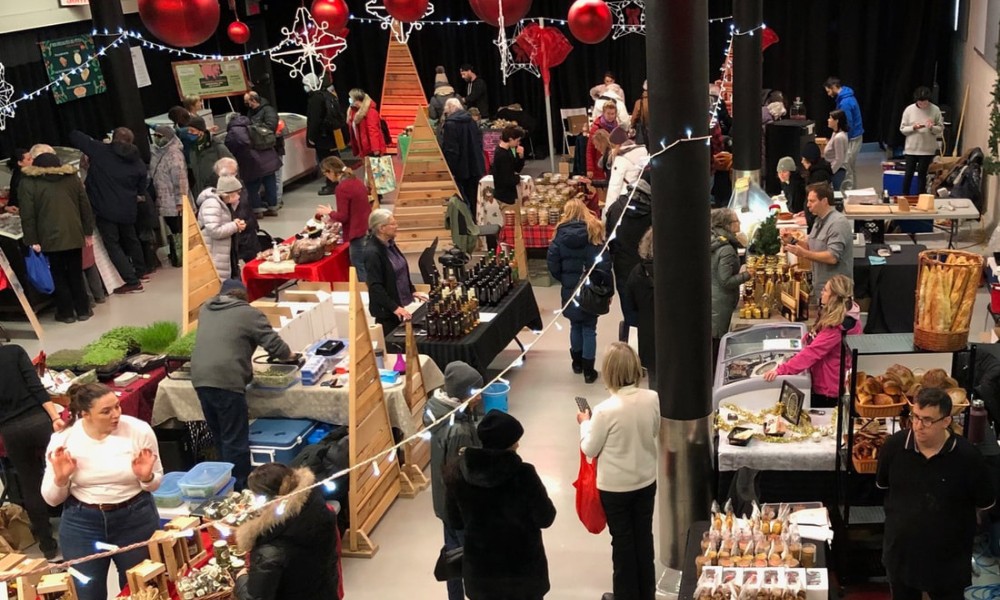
[880, 48]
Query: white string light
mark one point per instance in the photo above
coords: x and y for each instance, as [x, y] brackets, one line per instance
[377, 9]
[104, 546]
[330, 485]
[737, 32]
[83, 579]
[622, 16]
[375, 469]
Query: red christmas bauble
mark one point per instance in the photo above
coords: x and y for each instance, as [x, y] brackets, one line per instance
[590, 20]
[181, 23]
[238, 32]
[489, 11]
[332, 12]
[406, 11]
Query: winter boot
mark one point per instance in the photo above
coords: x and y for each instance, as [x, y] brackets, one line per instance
[622, 331]
[175, 260]
[589, 374]
[577, 362]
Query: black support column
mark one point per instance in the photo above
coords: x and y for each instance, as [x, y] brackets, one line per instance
[747, 84]
[677, 67]
[123, 91]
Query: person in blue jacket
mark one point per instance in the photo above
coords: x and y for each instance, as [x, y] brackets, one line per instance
[847, 102]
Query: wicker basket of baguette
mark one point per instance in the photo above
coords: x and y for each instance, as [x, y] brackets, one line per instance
[947, 281]
[880, 396]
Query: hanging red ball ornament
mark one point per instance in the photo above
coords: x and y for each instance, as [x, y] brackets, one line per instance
[332, 12]
[406, 11]
[181, 23]
[489, 11]
[590, 20]
[238, 32]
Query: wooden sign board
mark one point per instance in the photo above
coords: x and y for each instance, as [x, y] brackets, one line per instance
[15, 285]
[200, 279]
[418, 452]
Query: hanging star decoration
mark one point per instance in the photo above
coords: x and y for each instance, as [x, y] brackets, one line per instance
[514, 57]
[312, 45]
[6, 98]
[629, 17]
[377, 9]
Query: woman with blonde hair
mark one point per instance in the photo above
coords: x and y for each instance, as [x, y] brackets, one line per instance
[838, 316]
[578, 241]
[622, 434]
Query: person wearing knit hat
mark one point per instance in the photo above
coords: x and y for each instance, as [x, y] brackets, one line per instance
[792, 186]
[439, 75]
[219, 227]
[502, 506]
[169, 176]
[443, 91]
[818, 170]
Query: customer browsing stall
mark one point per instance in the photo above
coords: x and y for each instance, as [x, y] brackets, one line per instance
[353, 208]
[830, 245]
[229, 332]
[390, 290]
[102, 469]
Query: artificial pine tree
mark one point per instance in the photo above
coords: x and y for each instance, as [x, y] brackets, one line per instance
[766, 240]
[992, 164]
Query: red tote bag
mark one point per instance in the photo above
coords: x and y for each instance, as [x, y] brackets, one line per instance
[588, 499]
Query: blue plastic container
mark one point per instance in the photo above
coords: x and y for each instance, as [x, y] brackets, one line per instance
[495, 396]
[168, 495]
[278, 440]
[317, 434]
[205, 479]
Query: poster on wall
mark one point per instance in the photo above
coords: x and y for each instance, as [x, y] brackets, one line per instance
[210, 78]
[74, 2]
[61, 57]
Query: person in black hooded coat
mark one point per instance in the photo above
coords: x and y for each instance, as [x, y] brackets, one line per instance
[640, 296]
[624, 247]
[462, 145]
[501, 503]
[293, 555]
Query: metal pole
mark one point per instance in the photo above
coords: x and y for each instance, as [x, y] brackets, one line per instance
[677, 68]
[548, 120]
[123, 91]
[747, 84]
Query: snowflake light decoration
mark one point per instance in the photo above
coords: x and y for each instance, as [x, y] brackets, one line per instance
[629, 17]
[377, 9]
[313, 45]
[514, 57]
[6, 97]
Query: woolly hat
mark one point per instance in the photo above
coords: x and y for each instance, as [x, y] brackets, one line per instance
[499, 431]
[440, 76]
[230, 285]
[460, 379]
[46, 160]
[165, 131]
[786, 163]
[228, 184]
[197, 123]
[618, 136]
[811, 152]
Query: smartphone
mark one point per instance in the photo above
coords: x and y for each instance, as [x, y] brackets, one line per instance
[582, 404]
[793, 241]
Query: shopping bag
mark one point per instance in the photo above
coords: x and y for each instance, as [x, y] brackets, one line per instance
[39, 273]
[383, 173]
[15, 528]
[588, 499]
[449, 564]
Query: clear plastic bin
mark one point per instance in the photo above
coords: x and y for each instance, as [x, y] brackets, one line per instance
[168, 495]
[206, 479]
[274, 376]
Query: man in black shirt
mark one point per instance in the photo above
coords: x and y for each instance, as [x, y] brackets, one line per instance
[475, 91]
[936, 482]
[508, 160]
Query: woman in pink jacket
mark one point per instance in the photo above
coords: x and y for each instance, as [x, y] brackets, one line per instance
[838, 314]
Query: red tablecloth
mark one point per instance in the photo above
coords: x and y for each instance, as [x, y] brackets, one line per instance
[535, 236]
[332, 268]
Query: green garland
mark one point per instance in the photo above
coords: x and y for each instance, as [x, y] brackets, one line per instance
[991, 166]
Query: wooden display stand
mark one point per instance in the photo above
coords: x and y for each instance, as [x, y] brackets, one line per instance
[201, 280]
[375, 486]
[57, 585]
[423, 190]
[148, 573]
[166, 548]
[194, 546]
[27, 585]
[520, 254]
[418, 452]
[402, 91]
[18, 289]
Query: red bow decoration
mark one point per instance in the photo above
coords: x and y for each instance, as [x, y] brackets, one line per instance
[768, 37]
[547, 46]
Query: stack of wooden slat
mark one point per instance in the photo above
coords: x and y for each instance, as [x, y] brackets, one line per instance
[402, 91]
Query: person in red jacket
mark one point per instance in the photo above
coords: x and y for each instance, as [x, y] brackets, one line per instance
[365, 124]
[607, 121]
[352, 210]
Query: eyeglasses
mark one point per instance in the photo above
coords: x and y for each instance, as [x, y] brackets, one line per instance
[926, 421]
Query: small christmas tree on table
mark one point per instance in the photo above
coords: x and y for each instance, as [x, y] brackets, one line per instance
[766, 240]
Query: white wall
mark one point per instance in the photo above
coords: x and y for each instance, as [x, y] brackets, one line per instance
[19, 15]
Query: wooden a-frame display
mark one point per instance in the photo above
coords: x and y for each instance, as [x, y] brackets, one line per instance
[418, 452]
[423, 190]
[15, 285]
[402, 91]
[201, 280]
[375, 486]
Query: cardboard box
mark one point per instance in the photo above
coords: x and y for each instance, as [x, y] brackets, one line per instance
[578, 124]
[565, 167]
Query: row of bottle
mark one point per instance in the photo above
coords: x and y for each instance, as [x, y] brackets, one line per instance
[452, 317]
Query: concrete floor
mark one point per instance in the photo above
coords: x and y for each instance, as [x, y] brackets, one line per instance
[542, 392]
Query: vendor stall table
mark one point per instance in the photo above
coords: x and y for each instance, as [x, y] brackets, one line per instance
[524, 188]
[890, 286]
[331, 268]
[775, 456]
[137, 398]
[953, 210]
[693, 548]
[176, 399]
[515, 312]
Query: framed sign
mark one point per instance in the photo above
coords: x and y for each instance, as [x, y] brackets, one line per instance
[62, 57]
[791, 402]
[210, 78]
[74, 2]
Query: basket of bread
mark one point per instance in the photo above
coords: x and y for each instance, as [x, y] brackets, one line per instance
[947, 282]
[867, 444]
[883, 395]
[939, 379]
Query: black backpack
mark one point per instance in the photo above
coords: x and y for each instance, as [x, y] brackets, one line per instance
[333, 117]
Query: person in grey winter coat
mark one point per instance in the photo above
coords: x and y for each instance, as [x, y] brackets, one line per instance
[229, 332]
[460, 383]
[219, 227]
[168, 171]
[726, 273]
[247, 244]
[258, 166]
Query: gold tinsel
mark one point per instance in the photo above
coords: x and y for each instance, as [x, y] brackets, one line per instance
[794, 433]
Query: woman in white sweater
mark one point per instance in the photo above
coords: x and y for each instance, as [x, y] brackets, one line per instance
[921, 124]
[622, 435]
[102, 469]
[836, 149]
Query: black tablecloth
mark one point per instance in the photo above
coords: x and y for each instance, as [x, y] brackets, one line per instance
[515, 312]
[693, 548]
[890, 286]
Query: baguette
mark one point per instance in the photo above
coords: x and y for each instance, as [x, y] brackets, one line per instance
[964, 311]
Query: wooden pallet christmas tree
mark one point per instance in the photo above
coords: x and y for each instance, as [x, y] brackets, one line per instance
[200, 280]
[402, 91]
[418, 452]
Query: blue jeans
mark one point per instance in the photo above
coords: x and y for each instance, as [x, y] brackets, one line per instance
[270, 183]
[80, 527]
[357, 254]
[228, 419]
[454, 538]
[583, 337]
[838, 178]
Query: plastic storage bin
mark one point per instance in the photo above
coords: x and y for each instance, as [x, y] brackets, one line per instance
[495, 397]
[274, 377]
[206, 479]
[168, 495]
[230, 486]
[278, 440]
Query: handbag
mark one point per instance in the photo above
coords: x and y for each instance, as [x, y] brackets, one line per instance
[383, 173]
[449, 564]
[595, 296]
[39, 273]
[261, 137]
[588, 499]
